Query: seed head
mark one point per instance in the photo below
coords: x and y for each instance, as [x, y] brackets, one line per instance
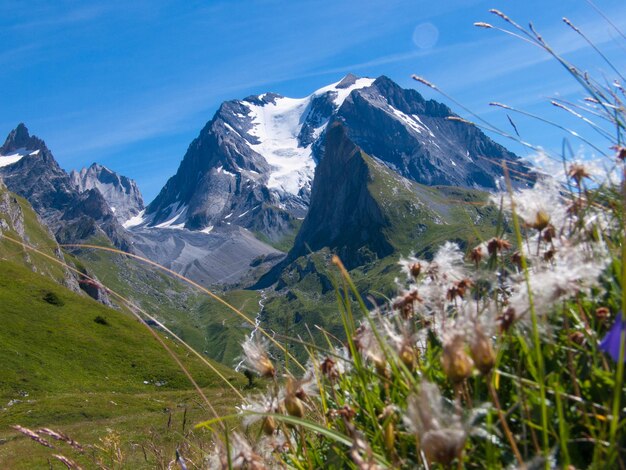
[456, 363]
[542, 219]
[257, 358]
[476, 255]
[603, 313]
[507, 319]
[577, 337]
[620, 152]
[496, 245]
[440, 431]
[482, 352]
[578, 172]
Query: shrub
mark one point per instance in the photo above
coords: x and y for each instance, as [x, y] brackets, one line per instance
[100, 320]
[53, 299]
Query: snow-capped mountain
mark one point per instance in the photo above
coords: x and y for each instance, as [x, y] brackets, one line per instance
[18, 144]
[29, 169]
[253, 164]
[120, 192]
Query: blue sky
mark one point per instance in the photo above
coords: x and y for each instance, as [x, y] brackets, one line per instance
[130, 84]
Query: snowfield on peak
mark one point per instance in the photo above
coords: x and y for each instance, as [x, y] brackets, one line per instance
[15, 156]
[276, 127]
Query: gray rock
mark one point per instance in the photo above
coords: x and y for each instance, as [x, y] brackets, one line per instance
[121, 193]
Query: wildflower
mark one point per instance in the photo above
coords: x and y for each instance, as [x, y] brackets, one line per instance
[441, 432]
[577, 337]
[543, 203]
[506, 319]
[449, 260]
[327, 367]
[256, 407]
[549, 233]
[257, 358]
[402, 342]
[405, 304]
[542, 220]
[243, 456]
[456, 363]
[612, 341]
[346, 412]
[293, 403]
[368, 346]
[411, 266]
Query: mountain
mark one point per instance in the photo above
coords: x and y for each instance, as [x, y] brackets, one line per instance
[120, 192]
[415, 138]
[343, 213]
[253, 164]
[244, 186]
[364, 211]
[29, 169]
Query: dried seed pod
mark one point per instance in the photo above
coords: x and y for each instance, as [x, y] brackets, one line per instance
[456, 363]
[269, 425]
[482, 353]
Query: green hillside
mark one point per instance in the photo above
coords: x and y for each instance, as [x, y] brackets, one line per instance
[19, 221]
[71, 363]
[207, 325]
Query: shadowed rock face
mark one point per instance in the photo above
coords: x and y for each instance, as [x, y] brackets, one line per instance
[72, 216]
[121, 193]
[343, 214]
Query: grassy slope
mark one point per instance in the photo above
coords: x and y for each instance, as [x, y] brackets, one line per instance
[202, 322]
[64, 370]
[37, 236]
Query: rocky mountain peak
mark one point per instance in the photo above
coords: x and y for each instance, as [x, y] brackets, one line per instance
[19, 140]
[120, 192]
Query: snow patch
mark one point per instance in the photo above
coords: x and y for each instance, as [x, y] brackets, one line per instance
[208, 229]
[413, 121]
[16, 156]
[276, 127]
[343, 93]
[220, 169]
[135, 221]
[176, 217]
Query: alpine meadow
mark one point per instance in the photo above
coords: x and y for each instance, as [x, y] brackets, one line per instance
[419, 261]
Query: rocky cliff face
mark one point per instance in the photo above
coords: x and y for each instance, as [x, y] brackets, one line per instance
[343, 214]
[120, 193]
[19, 222]
[414, 137]
[34, 174]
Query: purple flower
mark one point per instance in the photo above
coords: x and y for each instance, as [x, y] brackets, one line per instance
[611, 342]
